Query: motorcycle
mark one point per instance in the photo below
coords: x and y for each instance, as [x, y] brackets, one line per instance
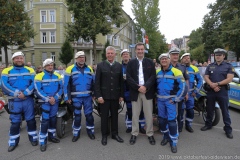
[65, 113]
[200, 105]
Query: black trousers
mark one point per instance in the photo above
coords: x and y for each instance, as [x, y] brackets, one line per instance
[223, 103]
[109, 106]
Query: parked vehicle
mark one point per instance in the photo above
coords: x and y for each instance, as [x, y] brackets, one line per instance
[234, 92]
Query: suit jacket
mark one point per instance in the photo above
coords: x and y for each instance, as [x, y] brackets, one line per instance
[109, 81]
[149, 73]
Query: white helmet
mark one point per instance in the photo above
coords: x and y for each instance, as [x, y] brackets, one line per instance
[125, 50]
[47, 62]
[19, 53]
[80, 53]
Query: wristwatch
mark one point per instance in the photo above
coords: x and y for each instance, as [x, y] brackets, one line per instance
[218, 83]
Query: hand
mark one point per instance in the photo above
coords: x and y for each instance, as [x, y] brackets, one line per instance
[213, 85]
[100, 100]
[21, 95]
[120, 99]
[193, 94]
[171, 101]
[216, 89]
[51, 101]
[68, 101]
[186, 97]
[142, 89]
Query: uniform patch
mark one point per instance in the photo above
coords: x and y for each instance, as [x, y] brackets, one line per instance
[233, 69]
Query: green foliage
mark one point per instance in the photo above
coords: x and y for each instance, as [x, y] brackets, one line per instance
[15, 27]
[195, 38]
[92, 18]
[221, 26]
[66, 54]
[147, 15]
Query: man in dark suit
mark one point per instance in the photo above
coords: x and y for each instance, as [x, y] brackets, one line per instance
[109, 92]
[141, 77]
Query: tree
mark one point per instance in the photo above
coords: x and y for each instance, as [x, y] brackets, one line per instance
[66, 54]
[15, 27]
[221, 26]
[92, 18]
[178, 42]
[147, 16]
[195, 38]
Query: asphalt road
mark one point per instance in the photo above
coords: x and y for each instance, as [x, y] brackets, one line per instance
[211, 144]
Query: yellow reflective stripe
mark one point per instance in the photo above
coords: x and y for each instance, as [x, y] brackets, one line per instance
[39, 76]
[158, 70]
[6, 70]
[58, 75]
[69, 69]
[90, 68]
[177, 72]
[30, 69]
[234, 102]
[194, 68]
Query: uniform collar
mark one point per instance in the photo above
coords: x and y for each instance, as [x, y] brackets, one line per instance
[169, 68]
[47, 72]
[223, 62]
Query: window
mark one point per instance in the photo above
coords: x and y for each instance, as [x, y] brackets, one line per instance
[72, 18]
[44, 37]
[109, 38]
[31, 4]
[53, 56]
[52, 37]
[33, 58]
[52, 15]
[44, 56]
[43, 16]
[115, 41]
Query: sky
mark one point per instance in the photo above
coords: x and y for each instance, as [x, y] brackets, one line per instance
[177, 17]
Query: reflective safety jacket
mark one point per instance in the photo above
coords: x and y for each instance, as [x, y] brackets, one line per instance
[124, 68]
[48, 85]
[78, 82]
[171, 84]
[18, 79]
[195, 80]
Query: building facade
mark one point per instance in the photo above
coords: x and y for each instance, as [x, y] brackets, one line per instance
[49, 18]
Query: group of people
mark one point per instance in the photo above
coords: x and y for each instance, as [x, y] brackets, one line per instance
[135, 81]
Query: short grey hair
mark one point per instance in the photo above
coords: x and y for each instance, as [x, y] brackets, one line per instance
[110, 48]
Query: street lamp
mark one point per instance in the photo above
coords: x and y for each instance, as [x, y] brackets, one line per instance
[121, 29]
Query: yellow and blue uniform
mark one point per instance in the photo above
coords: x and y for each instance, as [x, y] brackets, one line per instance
[183, 69]
[170, 87]
[195, 84]
[14, 80]
[217, 73]
[128, 102]
[48, 84]
[78, 87]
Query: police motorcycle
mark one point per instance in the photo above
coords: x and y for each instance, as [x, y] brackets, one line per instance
[200, 103]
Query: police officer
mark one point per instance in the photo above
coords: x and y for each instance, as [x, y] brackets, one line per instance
[218, 75]
[170, 91]
[174, 57]
[194, 77]
[48, 85]
[17, 83]
[78, 88]
[125, 59]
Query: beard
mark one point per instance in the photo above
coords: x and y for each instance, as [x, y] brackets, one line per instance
[18, 65]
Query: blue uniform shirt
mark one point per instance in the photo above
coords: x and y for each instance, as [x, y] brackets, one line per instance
[218, 73]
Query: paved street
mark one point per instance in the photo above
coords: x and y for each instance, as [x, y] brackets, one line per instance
[211, 144]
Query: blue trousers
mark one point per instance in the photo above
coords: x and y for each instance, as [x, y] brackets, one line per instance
[128, 119]
[86, 102]
[48, 122]
[17, 108]
[167, 114]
